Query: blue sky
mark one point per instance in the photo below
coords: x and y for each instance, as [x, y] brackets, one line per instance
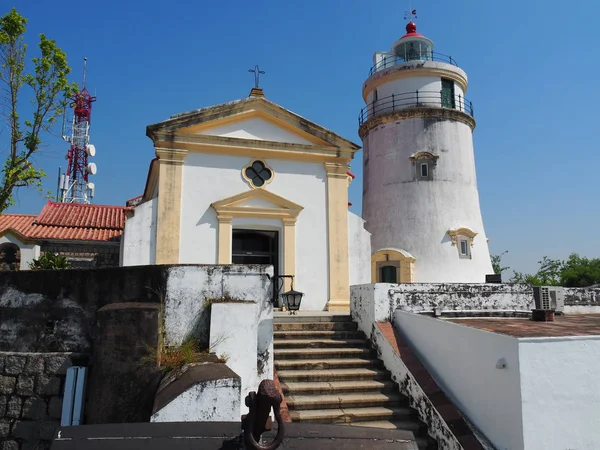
[532, 65]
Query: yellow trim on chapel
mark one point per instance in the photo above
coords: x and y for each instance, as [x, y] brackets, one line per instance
[168, 222]
[337, 232]
[283, 209]
[469, 234]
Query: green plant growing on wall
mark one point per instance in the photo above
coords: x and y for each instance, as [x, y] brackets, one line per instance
[497, 263]
[48, 87]
[176, 357]
[50, 261]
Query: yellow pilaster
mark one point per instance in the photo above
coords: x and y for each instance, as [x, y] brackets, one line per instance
[168, 222]
[224, 239]
[289, 250]
[337, 210]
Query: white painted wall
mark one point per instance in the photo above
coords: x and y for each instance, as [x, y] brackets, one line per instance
[559, 389]
[463, 361]
[186, 314]
[359, 250]
[138, 245]
[29, 252]
[370, 303]
[256, 128]
[208, 401]
[209, 178]
[416, 215]
[233, 336]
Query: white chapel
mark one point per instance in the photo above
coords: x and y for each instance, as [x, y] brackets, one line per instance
[249, 182]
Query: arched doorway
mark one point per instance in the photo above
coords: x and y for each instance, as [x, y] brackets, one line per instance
[10, 257]
[390, 265]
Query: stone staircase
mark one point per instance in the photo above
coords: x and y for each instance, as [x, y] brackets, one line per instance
[329, 374]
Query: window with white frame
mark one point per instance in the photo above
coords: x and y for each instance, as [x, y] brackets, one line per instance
[424, 164]
[464, 247]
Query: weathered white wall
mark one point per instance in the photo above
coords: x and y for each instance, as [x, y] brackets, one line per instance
[463, 360]
[208, 401]
[139, 236]
[408, 386]
[256, 128]
[359, 250]
[209, 178]
[416, 215]
[234, 337]
[372, 303]
[29, 252]
[188, 294]
[559, 389]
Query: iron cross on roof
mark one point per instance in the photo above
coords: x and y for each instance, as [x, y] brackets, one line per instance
[257, 73]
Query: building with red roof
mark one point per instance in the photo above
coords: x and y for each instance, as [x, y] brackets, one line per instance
[87, 235]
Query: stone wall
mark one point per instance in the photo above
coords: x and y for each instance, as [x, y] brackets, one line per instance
[31, 387]
[84, 256]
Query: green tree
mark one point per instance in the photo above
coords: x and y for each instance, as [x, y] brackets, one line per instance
[580, 272]
[497, 263]
[50, 261]
[48, 86]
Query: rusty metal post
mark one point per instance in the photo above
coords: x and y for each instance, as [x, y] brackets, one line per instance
[257, 421]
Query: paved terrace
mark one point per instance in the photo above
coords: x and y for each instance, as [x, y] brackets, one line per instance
[563, 325]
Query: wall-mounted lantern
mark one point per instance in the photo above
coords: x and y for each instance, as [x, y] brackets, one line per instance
[292, 299]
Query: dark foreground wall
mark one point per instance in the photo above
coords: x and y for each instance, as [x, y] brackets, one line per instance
[106, 319]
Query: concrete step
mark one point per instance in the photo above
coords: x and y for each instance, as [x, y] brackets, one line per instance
[331, 334]
[321, 353]
[319, 343]
[304, 317]
[418, 429]
[287, 376]
[337, 387]
[316, 326]
[334, 363]
[344, 401]
[347, 415]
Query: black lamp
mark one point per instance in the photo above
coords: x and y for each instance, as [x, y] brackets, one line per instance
[292, 299]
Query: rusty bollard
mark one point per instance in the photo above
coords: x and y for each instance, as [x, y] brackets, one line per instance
[257, 421]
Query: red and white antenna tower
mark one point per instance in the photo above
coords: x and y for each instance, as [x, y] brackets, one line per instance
[74, 185]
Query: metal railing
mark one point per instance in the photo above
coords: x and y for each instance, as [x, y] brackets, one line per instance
[432, 99]
[393, 60]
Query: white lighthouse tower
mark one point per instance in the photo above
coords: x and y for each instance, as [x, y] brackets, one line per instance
[420, 198]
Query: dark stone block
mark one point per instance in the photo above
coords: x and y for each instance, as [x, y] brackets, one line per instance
[34, 365]
[34, 408]
[4, 428]
[13, 407]
[3, 401]
[25, 385]
[47, 429]
[10, 445]
[14, 364]
[57, 364]
[7, 384]
[47, 385]
[25, 430]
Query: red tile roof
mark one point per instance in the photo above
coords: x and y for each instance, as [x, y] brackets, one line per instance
[68, 221]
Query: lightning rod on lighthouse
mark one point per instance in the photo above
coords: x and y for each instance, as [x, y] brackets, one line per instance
[74, 185]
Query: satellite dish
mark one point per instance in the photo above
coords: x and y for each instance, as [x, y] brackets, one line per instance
[91, 169]
[92, 188]
[90, 150]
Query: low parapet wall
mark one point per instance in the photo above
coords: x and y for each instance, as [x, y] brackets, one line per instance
[372, 303]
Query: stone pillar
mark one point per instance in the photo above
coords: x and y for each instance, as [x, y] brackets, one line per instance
[289, 251]
[337, 224]
[224, 243]
[168, 222]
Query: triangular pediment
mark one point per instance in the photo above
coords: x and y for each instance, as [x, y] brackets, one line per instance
[257, 203]
[259, 127]
[252, 118]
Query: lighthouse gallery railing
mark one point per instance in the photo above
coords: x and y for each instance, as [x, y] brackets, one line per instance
[393, 60]
[432, 99]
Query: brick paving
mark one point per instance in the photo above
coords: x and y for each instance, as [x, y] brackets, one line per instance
[563, 325]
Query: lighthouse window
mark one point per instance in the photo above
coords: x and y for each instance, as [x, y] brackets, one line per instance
[424, 170]
[463, 247]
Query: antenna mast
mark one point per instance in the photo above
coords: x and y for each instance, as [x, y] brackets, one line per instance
[74, 185]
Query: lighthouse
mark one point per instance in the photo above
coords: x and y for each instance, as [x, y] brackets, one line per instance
[420, 198]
